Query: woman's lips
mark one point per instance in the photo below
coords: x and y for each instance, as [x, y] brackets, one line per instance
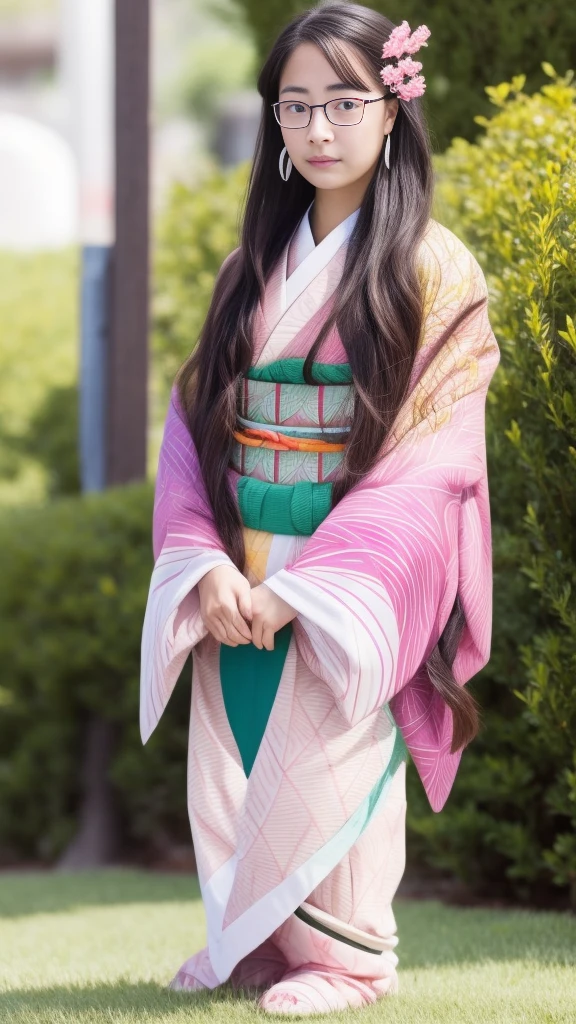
[322, 162]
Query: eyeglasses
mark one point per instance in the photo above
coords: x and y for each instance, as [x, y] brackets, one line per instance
[297, 114]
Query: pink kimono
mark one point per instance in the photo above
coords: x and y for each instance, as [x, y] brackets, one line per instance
[298, 862]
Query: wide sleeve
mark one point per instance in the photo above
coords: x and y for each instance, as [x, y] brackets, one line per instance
[186, 546]
[374, 585]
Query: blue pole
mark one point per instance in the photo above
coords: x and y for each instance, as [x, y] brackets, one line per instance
[94, 346]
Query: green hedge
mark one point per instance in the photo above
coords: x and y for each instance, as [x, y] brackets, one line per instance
[196, 231]
[75, 577]
[512, 818]
[38, 358]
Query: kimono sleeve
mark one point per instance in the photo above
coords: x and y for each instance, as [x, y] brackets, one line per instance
[186, 546]
[374, 585]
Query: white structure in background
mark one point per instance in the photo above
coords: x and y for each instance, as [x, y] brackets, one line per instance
[56, 137]
[87, 76]
[38, 179]
[38, 185]
[87, 83]
[56, 132]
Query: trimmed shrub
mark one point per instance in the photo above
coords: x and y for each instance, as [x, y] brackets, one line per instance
[38, 355]
[75, 577]
[197, 229]
[512, 197]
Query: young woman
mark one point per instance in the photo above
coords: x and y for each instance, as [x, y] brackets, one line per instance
[322, 526]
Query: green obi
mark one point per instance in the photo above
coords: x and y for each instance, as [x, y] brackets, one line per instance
[294, 509]
[268, 396]
[289, 491]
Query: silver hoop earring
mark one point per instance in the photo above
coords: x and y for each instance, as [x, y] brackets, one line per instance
[387, 151]
[288, 165]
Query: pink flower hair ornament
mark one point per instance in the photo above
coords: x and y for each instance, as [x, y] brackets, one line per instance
[402, 41]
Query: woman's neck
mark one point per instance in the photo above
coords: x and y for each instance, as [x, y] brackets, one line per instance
[332, 206]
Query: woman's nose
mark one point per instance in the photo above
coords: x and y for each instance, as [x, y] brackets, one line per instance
[319, 127]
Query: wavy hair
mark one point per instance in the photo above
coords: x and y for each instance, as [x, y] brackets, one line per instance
[378, 310]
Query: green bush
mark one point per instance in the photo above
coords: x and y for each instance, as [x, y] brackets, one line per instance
[38, 357]
[75, 577]
[216, 67]
[469, 46]
[512, 196]
[51, 439]
[197, 229]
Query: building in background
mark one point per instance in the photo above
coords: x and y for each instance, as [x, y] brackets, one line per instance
[205, 108]
[38, 174]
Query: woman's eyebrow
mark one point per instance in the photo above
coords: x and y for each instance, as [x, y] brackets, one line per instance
[329, 88]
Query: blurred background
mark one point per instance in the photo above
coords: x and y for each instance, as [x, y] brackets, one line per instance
[126, 135]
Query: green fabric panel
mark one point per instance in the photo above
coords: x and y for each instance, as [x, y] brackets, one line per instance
[250, 678]
[399, 754]
[289, 371]
[293, 509]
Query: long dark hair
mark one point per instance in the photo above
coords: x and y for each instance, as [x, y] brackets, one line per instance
[378, 311]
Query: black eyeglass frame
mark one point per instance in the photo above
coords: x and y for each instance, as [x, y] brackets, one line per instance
[311, 106]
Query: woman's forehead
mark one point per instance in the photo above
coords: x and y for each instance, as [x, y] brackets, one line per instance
[307, 66]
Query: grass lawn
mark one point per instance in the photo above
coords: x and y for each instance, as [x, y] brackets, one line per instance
[102, 946]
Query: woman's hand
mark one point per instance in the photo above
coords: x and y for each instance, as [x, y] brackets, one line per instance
[225, 603]
[269, 614]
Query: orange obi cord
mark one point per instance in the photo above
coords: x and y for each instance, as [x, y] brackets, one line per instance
[283, 442]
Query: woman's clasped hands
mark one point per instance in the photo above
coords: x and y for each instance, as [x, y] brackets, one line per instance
[236, 613]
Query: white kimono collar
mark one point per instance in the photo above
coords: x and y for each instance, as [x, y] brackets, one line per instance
[312, 258]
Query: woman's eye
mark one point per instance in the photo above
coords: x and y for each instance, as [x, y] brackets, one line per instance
[296, 108]
[348, 105]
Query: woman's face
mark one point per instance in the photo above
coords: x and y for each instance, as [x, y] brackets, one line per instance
[307, 76]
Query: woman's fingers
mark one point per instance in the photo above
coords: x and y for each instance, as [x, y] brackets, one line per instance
[235, 634]
[257, 631]
[268, 638]
[262, 635]
[241, 626]
[226, 616]
[219, 630]
[245, 602]
[230, 627]
[225, 604]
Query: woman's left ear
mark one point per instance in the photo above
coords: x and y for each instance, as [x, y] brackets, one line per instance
[392, 110]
